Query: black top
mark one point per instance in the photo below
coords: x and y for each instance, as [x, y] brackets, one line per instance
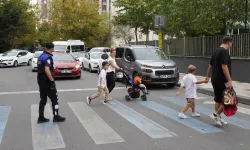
[220, 56]
[45, 59]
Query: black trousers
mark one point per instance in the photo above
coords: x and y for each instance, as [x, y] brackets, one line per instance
[110, 81]
[47, 90]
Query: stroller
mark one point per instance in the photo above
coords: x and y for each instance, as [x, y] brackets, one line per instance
[134, 91]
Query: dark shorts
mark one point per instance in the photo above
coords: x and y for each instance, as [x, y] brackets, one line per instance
[218, 91]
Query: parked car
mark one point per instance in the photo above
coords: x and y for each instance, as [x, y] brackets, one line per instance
[16, 57]
[65, 65]
[155, 66]
[34, 60]
[90, 61]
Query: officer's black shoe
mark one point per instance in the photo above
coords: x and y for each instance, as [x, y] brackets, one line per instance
[42, 120]
[59, 119]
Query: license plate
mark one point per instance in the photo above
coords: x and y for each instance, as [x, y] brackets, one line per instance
[66, 71]
[164, 76]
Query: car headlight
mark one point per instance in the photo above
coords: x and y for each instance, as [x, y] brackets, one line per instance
[177, 69]
[77, 66]
[147, 70]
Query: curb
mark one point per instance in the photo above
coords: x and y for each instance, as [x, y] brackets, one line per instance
[242, 99]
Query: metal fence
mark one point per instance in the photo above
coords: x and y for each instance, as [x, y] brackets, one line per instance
[204, 46]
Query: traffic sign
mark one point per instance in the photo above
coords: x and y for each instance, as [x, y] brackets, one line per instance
[159, 21]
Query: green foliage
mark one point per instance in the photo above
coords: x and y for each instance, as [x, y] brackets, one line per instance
[183, 17]
[79, 19]
[17, 23]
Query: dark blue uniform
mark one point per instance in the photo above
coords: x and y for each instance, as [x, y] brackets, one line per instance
[47, 88]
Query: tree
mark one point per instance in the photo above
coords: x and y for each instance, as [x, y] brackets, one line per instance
[78, 19]
[17, 23]
[123, 32]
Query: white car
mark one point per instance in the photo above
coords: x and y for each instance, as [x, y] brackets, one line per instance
[90, 61]
[16, 57]
[34, 60]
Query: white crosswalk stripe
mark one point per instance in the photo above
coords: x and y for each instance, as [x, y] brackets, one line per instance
[49, 135]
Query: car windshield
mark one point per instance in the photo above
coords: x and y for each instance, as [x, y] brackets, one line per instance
[149, 54]
[37, 55]
[63, 57]
[79, 54]
[60, 48]
[95, 55]
[10, 53]
[96, 50]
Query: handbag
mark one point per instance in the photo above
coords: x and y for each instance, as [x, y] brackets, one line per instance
[230, 97]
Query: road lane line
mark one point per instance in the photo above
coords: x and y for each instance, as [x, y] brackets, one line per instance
[143, 123]
[189, 122]
[62, 90]
[4, 114]
[97, 128]
[240, 109]
[206, 111]
[45, 135]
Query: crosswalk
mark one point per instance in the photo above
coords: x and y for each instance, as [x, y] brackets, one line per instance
[48, 135]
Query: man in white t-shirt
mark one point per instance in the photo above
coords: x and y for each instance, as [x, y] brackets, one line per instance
[101, 84]
[189, 82]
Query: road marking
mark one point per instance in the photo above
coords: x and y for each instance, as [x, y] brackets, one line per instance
[45, 135]
[63, 90]
[240, 109]
[146, 125]
[206, 111]
[4, 114]
[97, 128]
[200, 97]
[189, 122]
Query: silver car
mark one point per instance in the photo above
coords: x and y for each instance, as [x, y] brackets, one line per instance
[155, 66]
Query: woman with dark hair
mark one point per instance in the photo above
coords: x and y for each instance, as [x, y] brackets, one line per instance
[111, 70]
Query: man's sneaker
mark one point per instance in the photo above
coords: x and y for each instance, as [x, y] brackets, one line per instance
[42, 120]
[223, 122]
[195, 115]
[105, 102]
[216, 119]
[59, 119]
[182, 116]
[88, 100]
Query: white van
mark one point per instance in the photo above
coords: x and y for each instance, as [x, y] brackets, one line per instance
[70, 46]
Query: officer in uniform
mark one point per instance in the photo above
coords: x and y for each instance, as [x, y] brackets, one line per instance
[47, 87]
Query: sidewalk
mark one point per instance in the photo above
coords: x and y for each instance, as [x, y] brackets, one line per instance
[242, 89]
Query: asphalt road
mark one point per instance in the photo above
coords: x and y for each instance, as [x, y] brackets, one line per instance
[119, 125]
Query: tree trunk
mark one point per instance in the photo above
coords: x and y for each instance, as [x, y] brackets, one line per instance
[136, 38]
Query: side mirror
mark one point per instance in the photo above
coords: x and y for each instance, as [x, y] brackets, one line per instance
[105, 56]
[18, 56]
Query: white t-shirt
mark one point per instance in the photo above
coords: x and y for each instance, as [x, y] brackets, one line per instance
[189, 82]
[102, 76]
[110, 69]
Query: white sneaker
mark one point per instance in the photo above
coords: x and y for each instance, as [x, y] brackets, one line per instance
[195, 115]
[216, 119]
[223, 122]
[182, 116]
[88, 100]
